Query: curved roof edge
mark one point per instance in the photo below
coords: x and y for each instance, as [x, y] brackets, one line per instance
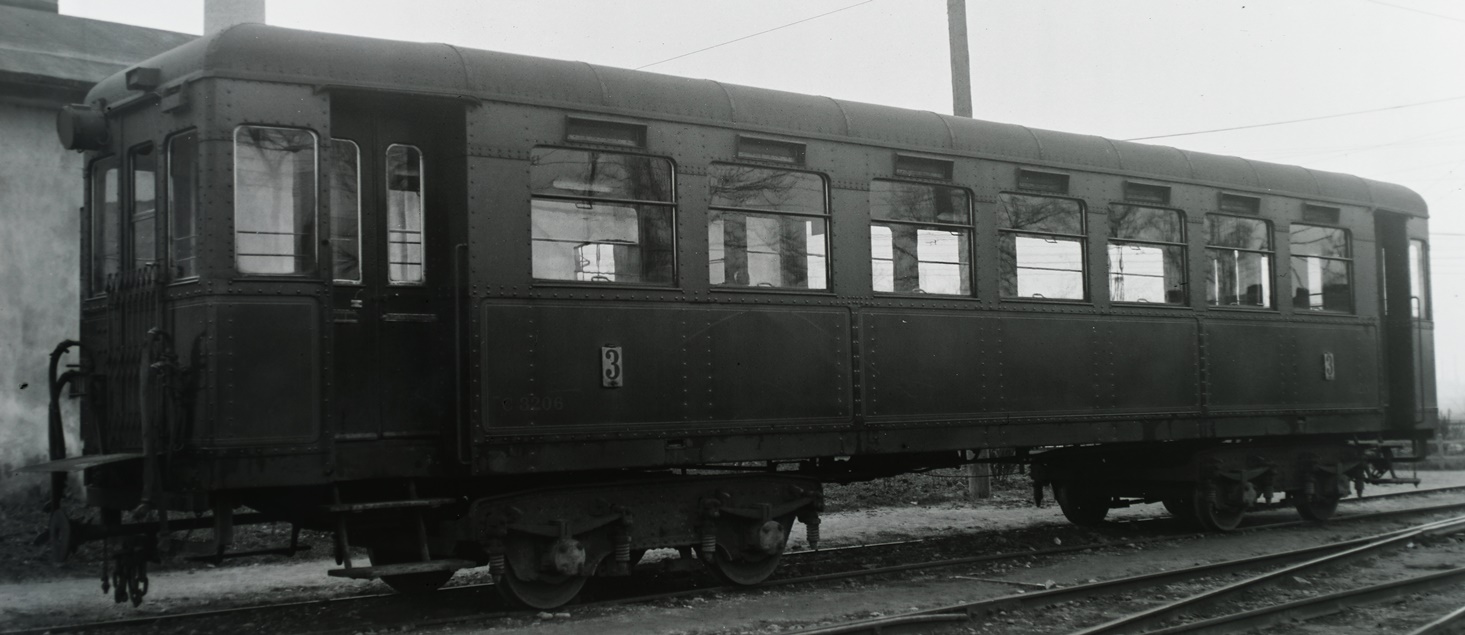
[264, 52]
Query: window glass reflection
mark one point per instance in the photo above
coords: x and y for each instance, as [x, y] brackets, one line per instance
[1321, 273]
[602, 217]
[274, 200]
[1238, 261]
[345, 190]
[144, 216]
[183, 203]
[106, 223]
[1146, 255]
[1041, 247]
[405, 233]
[767, 228]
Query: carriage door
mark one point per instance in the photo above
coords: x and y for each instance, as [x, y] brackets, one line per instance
[1404, 314]
[394, 205]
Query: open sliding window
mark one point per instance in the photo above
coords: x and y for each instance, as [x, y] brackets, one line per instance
[767, 227]
[1146, 255]
[1041, 247]
[920, 238]
[602, 217]
[1238, 261]
[1322, 267]
[183, 204]
[274, 200]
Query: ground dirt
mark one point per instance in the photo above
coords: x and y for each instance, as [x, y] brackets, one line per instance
[35, 593]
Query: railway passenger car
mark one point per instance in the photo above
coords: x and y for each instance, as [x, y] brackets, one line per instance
[466, 308]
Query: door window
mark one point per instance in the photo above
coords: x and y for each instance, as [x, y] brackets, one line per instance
[404, 215]
[345, 192]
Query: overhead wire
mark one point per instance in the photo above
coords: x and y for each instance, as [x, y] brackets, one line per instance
[1404, 8]
[753, 35]
[1304, 119]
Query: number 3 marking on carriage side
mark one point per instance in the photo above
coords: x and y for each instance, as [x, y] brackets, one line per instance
[611, 373]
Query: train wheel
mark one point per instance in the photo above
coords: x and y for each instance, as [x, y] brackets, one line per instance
[408, 583]
[548, 592]
[1082, 504]
[744, 572]
[1316, 508]
[1180, 506]
[1218, 515]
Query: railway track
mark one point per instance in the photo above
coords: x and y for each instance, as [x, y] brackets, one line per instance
[1289, 563]
[154, 620]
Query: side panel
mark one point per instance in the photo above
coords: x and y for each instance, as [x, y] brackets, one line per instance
[1353, 381]
[1249, 365]
[542, 366]
[269, 361]
[1048, 364]
[1148, 365]
[925, 365]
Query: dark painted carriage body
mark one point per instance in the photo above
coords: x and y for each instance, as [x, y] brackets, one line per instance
[486, 378]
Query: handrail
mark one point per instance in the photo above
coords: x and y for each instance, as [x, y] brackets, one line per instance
[464, 447]
[1417, 349]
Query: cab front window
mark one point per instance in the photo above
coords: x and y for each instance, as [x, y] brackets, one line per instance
[274, 200]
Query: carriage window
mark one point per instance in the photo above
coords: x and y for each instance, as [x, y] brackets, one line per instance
[1238, 261]
[274, 200]
[183, 203]
[345, 175]
[1146, 255]
[106, 223]
[404, 215]
[920, 238]
[1321, 269]
[1041, 245]
[1419, 279]
[602, 217]
[767, 228]
[143, 221]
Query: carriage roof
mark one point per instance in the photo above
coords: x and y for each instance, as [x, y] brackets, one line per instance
[265, 53]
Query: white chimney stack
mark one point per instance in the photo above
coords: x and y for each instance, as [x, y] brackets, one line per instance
[222, 14]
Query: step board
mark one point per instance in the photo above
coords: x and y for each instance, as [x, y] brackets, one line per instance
[370, 573]
[415, 503]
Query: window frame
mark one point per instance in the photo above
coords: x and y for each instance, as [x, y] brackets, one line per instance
[672, 204]
[827, 216]
[1271, 254]
[171, 210]
[360, 260]
[421, 279]
[1347, 262]
[969, 228]
[1082, 239]
[131, 216]
[314, 256]
[1184, 244]
[1426, 297]
[98, 287]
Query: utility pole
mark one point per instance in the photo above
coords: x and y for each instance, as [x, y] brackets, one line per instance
[961, 60]
[979, 477]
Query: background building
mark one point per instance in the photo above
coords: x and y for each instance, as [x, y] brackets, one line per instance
[46, 60]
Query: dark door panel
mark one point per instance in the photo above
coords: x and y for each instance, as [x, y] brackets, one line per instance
[394, 360]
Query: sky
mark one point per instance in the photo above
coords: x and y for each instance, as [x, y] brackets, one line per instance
[1123, 69]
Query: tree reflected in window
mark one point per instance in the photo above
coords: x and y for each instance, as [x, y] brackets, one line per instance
[1041, 247]
[767, 228]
